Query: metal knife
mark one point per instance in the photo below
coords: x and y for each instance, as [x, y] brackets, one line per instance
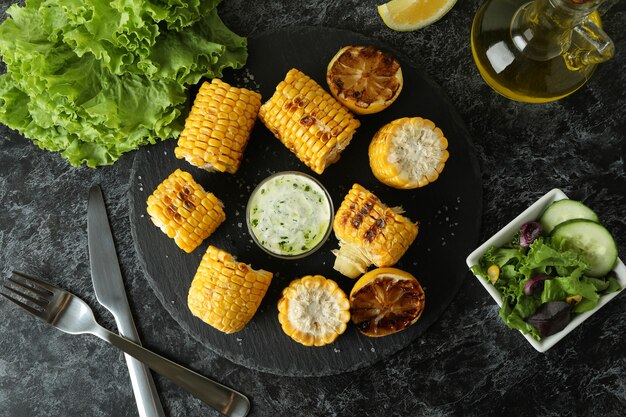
[110, 292]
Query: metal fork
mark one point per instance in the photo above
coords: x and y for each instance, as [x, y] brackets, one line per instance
[72, 315]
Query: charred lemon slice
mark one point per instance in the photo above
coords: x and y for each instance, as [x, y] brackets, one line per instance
[313, 310]
[385, 301]
[408, 153]
[364, 79]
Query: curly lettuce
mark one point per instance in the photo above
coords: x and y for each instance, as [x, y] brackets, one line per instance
[546, 256]
[94, 79]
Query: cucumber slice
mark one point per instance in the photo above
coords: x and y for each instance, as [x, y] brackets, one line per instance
[594, 243]
[564, 210]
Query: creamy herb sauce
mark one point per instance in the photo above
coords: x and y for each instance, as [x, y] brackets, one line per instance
[289, 214]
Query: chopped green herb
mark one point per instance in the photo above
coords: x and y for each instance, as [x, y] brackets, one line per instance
[298, 212]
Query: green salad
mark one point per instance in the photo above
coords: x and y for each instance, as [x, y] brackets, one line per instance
[545, 277]
[95, 79]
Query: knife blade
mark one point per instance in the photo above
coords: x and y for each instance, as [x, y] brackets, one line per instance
[110, 292]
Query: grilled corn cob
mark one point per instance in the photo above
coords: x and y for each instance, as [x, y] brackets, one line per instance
[308, 121]
[408, 153]
[369, 232]
[218, 127]
[184, 211]
[313, 310]
[225, 293]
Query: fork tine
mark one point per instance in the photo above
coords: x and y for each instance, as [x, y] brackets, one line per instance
[32, 280]
[37, 290]
[40, 302]
[26, 307]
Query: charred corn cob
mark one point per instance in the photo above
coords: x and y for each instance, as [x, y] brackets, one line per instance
[225, 293]
[308, 121]
[408, 153]
[218, 127]
[184, 211]
[369, 232]
[313, 310]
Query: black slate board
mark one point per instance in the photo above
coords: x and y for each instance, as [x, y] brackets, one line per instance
[448, 211]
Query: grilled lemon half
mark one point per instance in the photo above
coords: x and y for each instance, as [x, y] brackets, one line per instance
[364, 79]
[385, 301]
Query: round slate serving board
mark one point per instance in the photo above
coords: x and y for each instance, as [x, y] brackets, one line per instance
[448, 211]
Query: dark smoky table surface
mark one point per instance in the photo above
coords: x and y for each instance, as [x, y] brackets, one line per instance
[467, 363]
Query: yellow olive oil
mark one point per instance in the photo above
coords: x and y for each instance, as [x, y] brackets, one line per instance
[502, 41]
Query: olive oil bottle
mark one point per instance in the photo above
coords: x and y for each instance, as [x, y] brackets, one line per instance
[540, 50]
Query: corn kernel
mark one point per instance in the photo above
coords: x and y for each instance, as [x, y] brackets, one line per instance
[369, 232]
[298, 111]
[220, 123]
[184, 211]
[219, 296]
[493, 273]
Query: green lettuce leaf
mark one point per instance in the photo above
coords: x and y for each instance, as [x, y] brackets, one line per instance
[514, 310]
[95, 79]
[613, 286]
[544, 258]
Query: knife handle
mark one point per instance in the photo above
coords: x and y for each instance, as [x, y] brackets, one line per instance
[145, 391]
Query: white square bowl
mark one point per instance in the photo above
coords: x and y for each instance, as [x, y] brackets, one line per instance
[505, 235]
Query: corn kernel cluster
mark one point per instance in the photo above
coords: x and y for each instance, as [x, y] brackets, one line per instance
[379, 232]
[184, 211]
[308, 121]
[225, 293]
[218, 127]
[313, 310]
[408, 153]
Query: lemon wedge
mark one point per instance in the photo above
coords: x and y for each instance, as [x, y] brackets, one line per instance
[407, 15]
